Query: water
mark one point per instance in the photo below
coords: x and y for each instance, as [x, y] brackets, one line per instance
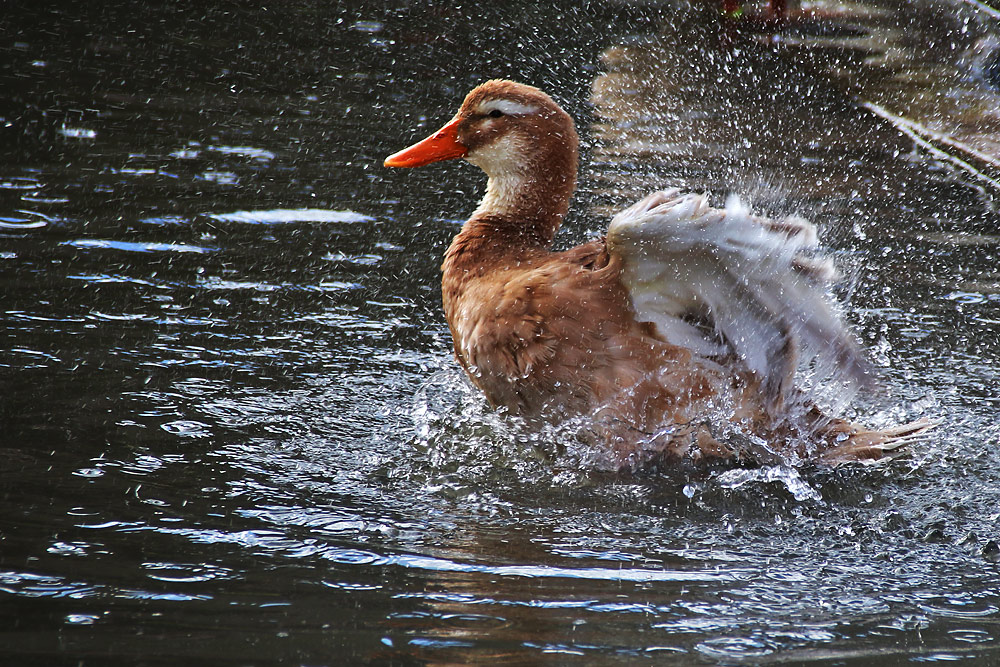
[233, 432]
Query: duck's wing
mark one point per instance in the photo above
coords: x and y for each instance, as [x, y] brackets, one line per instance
[723, 281]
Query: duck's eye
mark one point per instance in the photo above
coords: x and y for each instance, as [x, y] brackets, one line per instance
[496, 113]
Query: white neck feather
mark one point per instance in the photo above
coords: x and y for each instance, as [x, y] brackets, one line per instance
[504, 163]
[503, 194]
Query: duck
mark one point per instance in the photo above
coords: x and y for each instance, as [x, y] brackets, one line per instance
[678, 335]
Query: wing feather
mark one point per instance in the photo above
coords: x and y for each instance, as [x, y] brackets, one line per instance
[723, 281]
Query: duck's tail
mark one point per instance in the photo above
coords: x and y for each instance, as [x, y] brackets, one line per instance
[862, 444]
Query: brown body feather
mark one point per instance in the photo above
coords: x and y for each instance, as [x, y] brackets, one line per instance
[553, 335]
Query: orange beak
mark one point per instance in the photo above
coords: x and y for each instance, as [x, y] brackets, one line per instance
[442, 145]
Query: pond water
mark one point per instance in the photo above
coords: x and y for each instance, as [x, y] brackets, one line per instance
[232, 428]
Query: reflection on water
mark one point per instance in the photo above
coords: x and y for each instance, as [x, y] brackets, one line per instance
[232, 427]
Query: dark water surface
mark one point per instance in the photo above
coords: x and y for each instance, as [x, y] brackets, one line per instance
[232, 430]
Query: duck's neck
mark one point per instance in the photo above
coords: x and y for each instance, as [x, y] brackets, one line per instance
[521, 212]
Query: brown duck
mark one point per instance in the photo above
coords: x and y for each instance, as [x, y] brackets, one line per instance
[686, 323]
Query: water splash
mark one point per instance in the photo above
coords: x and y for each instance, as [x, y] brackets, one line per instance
[786, 476]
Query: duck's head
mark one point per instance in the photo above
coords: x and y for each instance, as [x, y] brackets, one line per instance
[517, 134]
[525, 143]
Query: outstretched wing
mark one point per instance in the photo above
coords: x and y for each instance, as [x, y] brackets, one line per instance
[723, 281]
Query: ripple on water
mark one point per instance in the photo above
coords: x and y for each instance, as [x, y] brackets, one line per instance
[351, 586]
[960, 608]
[324, 521]
[82, 619]
[217, 283]
[120, 317]
[127, 246]
[360, 260]
[248, 152]
[110, 278]
[31, 585]
[69, 548]
[165, 220]
[36, 199]
[89, 473]
[734, 647]
[186, 572]
[539, 571]
[187, 428]
[26, 221]
[20, 183]
[78, 132]
[37, 585]
[32, 359]
[287, 215]
[970, 635]
[220, 177]
[20, 223]
[144, 465]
